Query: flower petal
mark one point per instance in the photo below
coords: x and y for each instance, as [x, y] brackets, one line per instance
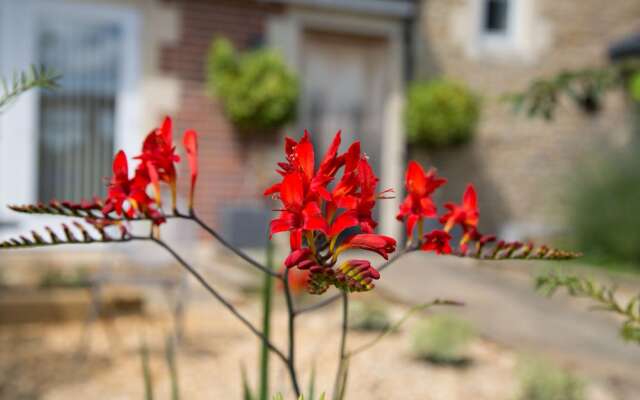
[292, 191]
[343, 221]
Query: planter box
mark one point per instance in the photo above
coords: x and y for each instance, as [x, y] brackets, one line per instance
[19, 306]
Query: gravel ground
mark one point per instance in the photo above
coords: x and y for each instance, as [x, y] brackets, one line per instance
[40, 362]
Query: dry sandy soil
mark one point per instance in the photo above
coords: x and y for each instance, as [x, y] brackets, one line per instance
[39, 361]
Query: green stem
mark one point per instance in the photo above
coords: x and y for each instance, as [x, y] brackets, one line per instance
[341, 376]
[267, 295]
[291, 364]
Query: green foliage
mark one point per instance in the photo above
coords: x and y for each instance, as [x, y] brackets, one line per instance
[605, 210]
[368, 316]
[441, 113]
[442, 339]
[258, 91]
[540, 380]
[634, 86]
[585, 87]
[311, 393]
[146, 371]
[604, 297]
[36, 77]
[247, 393]
[172, 365]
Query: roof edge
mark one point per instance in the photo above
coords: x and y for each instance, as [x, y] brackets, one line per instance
[387, 8]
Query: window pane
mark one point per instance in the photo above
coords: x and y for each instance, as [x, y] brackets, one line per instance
[76, 121]
[496, 15]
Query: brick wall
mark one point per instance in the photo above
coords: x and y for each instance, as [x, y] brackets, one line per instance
[224, 178]
[525, 167]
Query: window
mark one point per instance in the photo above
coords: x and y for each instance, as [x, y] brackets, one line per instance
[67, 136]
[77, 121]
[496, 16]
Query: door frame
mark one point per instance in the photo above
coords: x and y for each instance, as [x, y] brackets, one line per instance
[286, 33]
[18, 125]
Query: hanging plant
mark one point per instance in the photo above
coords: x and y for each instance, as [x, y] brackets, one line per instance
[258, 91]
[441, 113]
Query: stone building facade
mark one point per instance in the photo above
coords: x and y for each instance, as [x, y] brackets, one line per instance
[354, 59]
[524, 167]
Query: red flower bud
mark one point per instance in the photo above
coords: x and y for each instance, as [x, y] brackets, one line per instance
[381, 244]
[296, 257]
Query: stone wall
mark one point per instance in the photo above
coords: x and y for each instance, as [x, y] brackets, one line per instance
[524, 167]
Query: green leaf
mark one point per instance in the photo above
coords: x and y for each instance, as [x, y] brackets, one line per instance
[24, 81]
[146, 371]
[170, 357]
[312, 383]
[247, 394]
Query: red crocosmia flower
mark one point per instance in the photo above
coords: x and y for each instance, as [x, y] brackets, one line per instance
[158, 149]
[320, 215]
[418, 203]
[366, 201]
[344, 221]
[327, 169]
[297, 215]
[438, 241]
[301, 157]
[466, 215]
[190, 142]
[126, 196]
[381, 244]
[296, 257]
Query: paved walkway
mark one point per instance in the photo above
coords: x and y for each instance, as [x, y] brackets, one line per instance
[502, 304]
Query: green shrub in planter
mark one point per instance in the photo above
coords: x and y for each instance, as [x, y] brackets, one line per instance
[441, 113]
[258, 92]
[540, 380]
[368, 316]
[442, 339]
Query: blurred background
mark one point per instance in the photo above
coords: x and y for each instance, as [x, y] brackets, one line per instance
[413, 79]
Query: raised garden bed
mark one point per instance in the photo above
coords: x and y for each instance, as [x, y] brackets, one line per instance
[27, 305]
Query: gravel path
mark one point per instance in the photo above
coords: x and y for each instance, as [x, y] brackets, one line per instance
[502, 304]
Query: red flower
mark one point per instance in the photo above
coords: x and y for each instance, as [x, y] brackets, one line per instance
[438, 241]
[346, 220]
[381, 244]
[301, 158]
[466, 215]
[367, 199]
[320, 215]
[418, 203]
[190, 142]
[158, 149]
[297, 215]
[296, 257]
[155, 183]
[126, 196]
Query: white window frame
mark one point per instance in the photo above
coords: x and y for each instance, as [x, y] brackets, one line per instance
[497, 42]
[497, 38]
[18, 125]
